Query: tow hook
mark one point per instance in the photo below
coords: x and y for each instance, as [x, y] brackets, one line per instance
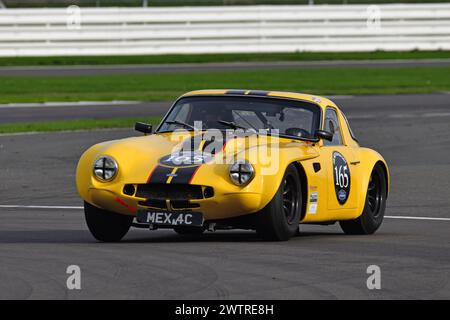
[211, 227]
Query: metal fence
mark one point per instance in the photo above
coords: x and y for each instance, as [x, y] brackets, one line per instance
[153, 3]
[231, 29]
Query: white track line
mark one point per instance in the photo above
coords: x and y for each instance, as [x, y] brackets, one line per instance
[417, 218]
[68, 104]
[8, 206]
[62, 131]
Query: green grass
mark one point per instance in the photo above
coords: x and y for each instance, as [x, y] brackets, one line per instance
[69, 125]
[167, 86]
[202, 58]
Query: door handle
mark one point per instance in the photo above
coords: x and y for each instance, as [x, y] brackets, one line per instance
[355, 162]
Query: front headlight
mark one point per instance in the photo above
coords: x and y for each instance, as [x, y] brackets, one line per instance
[241, 172]
[105, 168]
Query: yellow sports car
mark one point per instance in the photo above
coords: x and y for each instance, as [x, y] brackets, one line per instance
[250, 159]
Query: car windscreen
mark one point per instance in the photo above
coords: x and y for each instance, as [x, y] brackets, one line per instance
[291, 117]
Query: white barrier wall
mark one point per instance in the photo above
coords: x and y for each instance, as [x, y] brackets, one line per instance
[125, 31]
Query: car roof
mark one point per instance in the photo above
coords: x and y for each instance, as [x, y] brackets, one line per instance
[320, 101]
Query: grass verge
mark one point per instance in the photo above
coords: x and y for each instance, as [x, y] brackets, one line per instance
[158, 87]
[70, 125]
[232, 57]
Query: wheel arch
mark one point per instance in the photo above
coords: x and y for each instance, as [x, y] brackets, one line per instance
[287, 156]
[368, 160]
[304, 185]
[386, 175]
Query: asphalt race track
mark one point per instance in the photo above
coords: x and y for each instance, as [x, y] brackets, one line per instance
[37, 244]
[214, 66]
[378, 106]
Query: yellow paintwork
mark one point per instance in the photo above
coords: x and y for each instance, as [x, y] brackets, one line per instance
[138, 156]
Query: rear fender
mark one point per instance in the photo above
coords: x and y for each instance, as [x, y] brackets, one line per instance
[368, 160]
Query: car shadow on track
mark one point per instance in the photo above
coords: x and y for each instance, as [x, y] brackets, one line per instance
[163, 236]
[45, 236]
[220, 236]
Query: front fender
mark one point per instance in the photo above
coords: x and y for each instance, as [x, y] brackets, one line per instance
[284, 155]
[84, 169]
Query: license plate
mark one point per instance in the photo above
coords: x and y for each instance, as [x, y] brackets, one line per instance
[170, 218]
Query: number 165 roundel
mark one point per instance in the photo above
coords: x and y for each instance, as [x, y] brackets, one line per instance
[248, 159]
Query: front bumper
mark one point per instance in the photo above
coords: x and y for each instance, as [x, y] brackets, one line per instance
[221, 205]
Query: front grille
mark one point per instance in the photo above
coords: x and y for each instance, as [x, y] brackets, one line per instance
[160, 191]
[183, 204]
[175, 204]
[154, 203]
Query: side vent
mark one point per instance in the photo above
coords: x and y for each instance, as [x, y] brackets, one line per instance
[316, 166]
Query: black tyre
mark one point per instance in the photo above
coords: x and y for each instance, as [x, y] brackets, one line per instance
[373, 213]
[189, 230]
[279, 220]
[106, 226]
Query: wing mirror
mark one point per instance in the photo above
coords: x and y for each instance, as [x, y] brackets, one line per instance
[145, 128]
[322, 134]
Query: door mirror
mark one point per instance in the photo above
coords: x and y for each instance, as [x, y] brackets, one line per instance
[143, 127]
[322, 134]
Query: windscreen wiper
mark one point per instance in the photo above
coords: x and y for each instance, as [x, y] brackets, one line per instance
[181, 123]
[243, 119]
[231, 124]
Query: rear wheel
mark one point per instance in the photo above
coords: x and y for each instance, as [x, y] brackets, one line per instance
[189, 230]
[106, 226]
[373, 213]
[279, 220]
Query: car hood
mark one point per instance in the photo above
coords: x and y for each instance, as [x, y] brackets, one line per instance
[137, 157]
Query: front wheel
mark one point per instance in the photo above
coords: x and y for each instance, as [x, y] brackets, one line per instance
[279, 220]
[106, 226]
[372, 216]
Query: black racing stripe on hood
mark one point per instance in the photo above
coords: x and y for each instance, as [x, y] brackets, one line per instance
[184, 175]
[159, 175]
[216, 146]
[191, 143]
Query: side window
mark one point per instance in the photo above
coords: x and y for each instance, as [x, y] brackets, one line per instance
[349, 128]
[332, 125]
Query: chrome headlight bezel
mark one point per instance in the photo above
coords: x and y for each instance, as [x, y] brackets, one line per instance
[241, 172]
[105, 168]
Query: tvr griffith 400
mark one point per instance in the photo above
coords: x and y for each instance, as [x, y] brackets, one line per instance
[222, 159]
